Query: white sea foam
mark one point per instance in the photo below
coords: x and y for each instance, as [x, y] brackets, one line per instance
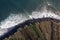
[44, 14]
[15, 19]
[10, 22]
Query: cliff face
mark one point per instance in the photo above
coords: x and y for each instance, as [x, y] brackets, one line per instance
[45, 29]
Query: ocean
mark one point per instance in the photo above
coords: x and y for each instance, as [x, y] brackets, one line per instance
[13, 12]
[9, 6]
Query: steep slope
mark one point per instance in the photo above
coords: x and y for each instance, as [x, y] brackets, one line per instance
[40, 29]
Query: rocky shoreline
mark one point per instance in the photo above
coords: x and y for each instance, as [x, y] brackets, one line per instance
[14, 29]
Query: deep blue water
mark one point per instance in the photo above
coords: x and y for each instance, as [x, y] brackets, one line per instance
[8, 6]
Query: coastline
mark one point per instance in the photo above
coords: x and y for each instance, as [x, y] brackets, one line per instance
[14, 29]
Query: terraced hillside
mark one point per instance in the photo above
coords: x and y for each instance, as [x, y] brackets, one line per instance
[45, 29]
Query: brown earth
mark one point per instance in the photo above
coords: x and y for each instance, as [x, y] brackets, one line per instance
[43, 30]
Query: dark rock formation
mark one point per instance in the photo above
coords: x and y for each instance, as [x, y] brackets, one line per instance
[35, 29]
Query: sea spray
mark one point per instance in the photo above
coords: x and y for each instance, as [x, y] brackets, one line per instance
[15, 19]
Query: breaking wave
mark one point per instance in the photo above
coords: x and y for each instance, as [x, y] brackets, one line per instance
[15, 19]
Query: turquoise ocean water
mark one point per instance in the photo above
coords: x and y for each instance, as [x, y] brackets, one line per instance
[8, 6]
[14, 12]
